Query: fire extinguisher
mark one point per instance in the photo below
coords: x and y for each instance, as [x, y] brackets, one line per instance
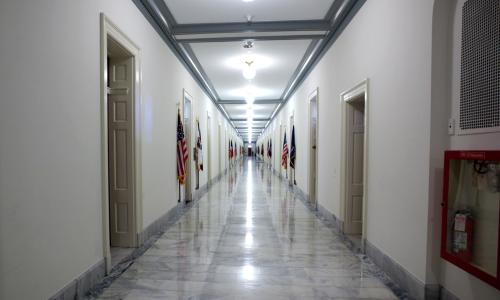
[462, 234]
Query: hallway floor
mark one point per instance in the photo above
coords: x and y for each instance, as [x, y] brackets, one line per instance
[249, 237]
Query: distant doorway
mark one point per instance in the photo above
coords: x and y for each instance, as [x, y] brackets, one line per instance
[313, 148]
[187, 115]
[354, 141]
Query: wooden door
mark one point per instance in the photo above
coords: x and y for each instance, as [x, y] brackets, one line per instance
[313, 150]
[121, 152]
[355, 176]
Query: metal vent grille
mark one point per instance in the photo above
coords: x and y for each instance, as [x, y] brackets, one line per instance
[480, 69]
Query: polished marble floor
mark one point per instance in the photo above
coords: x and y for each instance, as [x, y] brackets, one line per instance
[249, 237]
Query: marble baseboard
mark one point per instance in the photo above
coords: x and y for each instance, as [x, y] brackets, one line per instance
[79, 287]
[326, 214]
[160, 224]
[415, 288]
[444, 294]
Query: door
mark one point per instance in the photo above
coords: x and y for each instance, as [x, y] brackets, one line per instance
[121, 151]
[187, 134]
[313, 149]
[355, 155]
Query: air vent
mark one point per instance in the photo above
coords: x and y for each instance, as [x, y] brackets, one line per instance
[480, 69]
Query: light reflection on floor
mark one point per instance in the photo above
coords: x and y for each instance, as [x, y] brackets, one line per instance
[248, 238]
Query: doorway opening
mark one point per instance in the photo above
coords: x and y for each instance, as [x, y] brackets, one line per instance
[121, 165]
[186, 193]
[313, 148]
[354, 153]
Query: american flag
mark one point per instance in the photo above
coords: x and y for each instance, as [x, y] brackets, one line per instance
[284, 153]
[182, 152]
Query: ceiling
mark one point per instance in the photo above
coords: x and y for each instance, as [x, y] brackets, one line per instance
[288, 38]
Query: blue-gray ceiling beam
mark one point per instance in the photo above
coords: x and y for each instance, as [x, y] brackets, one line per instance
[239, 102]
[255, 119]
[272, 26]
[253, 38]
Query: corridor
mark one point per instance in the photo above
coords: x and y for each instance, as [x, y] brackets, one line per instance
[250, 149]
[249, 237]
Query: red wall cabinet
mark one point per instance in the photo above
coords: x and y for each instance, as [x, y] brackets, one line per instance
[470, 232]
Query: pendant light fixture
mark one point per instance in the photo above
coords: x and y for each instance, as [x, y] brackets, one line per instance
[249, 71]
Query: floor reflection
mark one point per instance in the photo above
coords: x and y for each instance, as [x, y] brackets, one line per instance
[249, 238]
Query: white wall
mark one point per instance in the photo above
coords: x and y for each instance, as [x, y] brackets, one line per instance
[50, 167]
[389, 43]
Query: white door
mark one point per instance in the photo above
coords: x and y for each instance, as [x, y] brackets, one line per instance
[355, 155]
[187, 135]
[121, 152]
[313, 150]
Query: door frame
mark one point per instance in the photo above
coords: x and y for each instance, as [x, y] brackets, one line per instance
[188, 184]
[109, 29]
[360, 89]
[314, 94]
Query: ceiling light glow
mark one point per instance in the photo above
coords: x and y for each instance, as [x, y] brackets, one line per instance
[249, 71]
[250, 95]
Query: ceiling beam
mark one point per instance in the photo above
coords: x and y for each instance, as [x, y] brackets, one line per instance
[255, 120]
[270, 26]
[253, 38]
[239, 102]
[257, 128]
